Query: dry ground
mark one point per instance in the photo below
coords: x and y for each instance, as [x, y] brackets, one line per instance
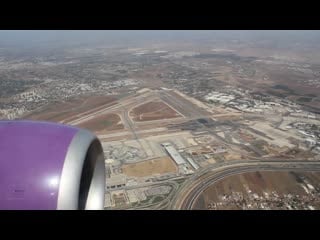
[107, 122]
[74, 108]
[258, 182]
[150, 167]
[153, 111]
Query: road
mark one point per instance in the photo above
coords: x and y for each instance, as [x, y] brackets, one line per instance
[188, 194]
[181, 105]
[150, 205]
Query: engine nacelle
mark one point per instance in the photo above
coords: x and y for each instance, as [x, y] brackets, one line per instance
[50, 166]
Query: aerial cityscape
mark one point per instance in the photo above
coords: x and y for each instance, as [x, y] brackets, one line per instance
[208, 120]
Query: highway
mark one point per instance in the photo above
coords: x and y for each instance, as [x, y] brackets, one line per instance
[189, 192]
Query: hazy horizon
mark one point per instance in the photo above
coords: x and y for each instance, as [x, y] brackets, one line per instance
[43, 38]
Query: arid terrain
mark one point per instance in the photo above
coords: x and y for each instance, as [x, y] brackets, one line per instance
[151, 167]
[71, 109]
[106, 122]
[153, 111]
[272, 190]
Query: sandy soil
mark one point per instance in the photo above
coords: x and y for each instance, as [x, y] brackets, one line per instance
[107, 121]
[153, 111]
[259, 183]
[70, 110]
[150, 167]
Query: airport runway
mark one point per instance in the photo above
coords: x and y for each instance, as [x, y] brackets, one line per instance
[123, 107]
[181, 105]
[126, 103]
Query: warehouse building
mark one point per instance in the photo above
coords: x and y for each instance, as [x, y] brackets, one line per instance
[173, 153]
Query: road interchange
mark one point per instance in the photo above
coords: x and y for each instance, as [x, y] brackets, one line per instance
[189, 192]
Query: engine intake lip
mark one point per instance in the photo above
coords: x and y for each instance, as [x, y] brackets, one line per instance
[82, 181]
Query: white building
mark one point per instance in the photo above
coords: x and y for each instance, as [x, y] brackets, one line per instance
[173, 153]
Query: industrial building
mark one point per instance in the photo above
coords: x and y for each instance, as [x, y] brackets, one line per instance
[116, 181]
[192, 163]
[173, 153]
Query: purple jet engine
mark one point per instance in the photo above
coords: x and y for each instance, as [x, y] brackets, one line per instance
[50, 166]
